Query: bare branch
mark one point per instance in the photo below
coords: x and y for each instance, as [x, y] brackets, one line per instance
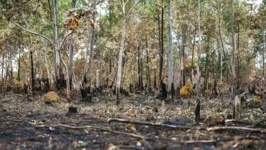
[147, 123]
[132, 8]
[35, 33]
[237, 129]
[61, 45]
[65, 39]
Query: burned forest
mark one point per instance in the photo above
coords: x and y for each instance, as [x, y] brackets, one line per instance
[132, 74]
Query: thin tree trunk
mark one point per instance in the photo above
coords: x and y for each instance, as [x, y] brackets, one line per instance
[91, 49]
[123, 70]
[70, 65]
[206, 74]
[192, 60]
[199, 52]
[70, 60]
[170, 52]
[98, 79]
[159, 29]
[19, 62]
[222, 50]
[162, 48]
[233, 49]
[155, 83]
[56, 48]
[11, 69]
[184, 28]
[238, 60]
[2, 76]
[263, 53]
[32, 71]
[139, 69]
[148, 74]
[87, 51]
[179, 74]
[49, 74]
[110, 71]
[119, 64]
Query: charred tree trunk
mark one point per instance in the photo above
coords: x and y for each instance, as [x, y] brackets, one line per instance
[184, 29]
[32, 71]
[140, 85]
[155, 83]
[19, 62]
[148, 66]
[141, 72]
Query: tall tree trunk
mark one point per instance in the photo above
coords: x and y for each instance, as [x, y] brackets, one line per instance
[56, 48]
[233, 49]
[206, 74]
[221, 50]
[199, 52]
[238, 57]
[184, 28]
[119, 64]
[179, 73]
[92, 46]
[87, 52]
[70, 65]
[141, 71]
[70, 60]
[170, 52]
[160, 43]
[162, 48]
[139, 78]
[140, 68]
[11, 69]
[197, 110]
[263, 53]
[98, 78]
[123, 70]
[192, 60]
[110, 71]
[148, 74]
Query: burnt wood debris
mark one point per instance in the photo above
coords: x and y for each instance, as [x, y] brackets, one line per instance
[132, 74]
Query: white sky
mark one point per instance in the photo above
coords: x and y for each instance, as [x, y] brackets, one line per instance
[256, 2]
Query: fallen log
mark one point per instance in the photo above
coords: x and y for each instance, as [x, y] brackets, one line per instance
[110, 120]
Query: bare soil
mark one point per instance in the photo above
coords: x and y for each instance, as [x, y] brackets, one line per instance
[29, 123]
